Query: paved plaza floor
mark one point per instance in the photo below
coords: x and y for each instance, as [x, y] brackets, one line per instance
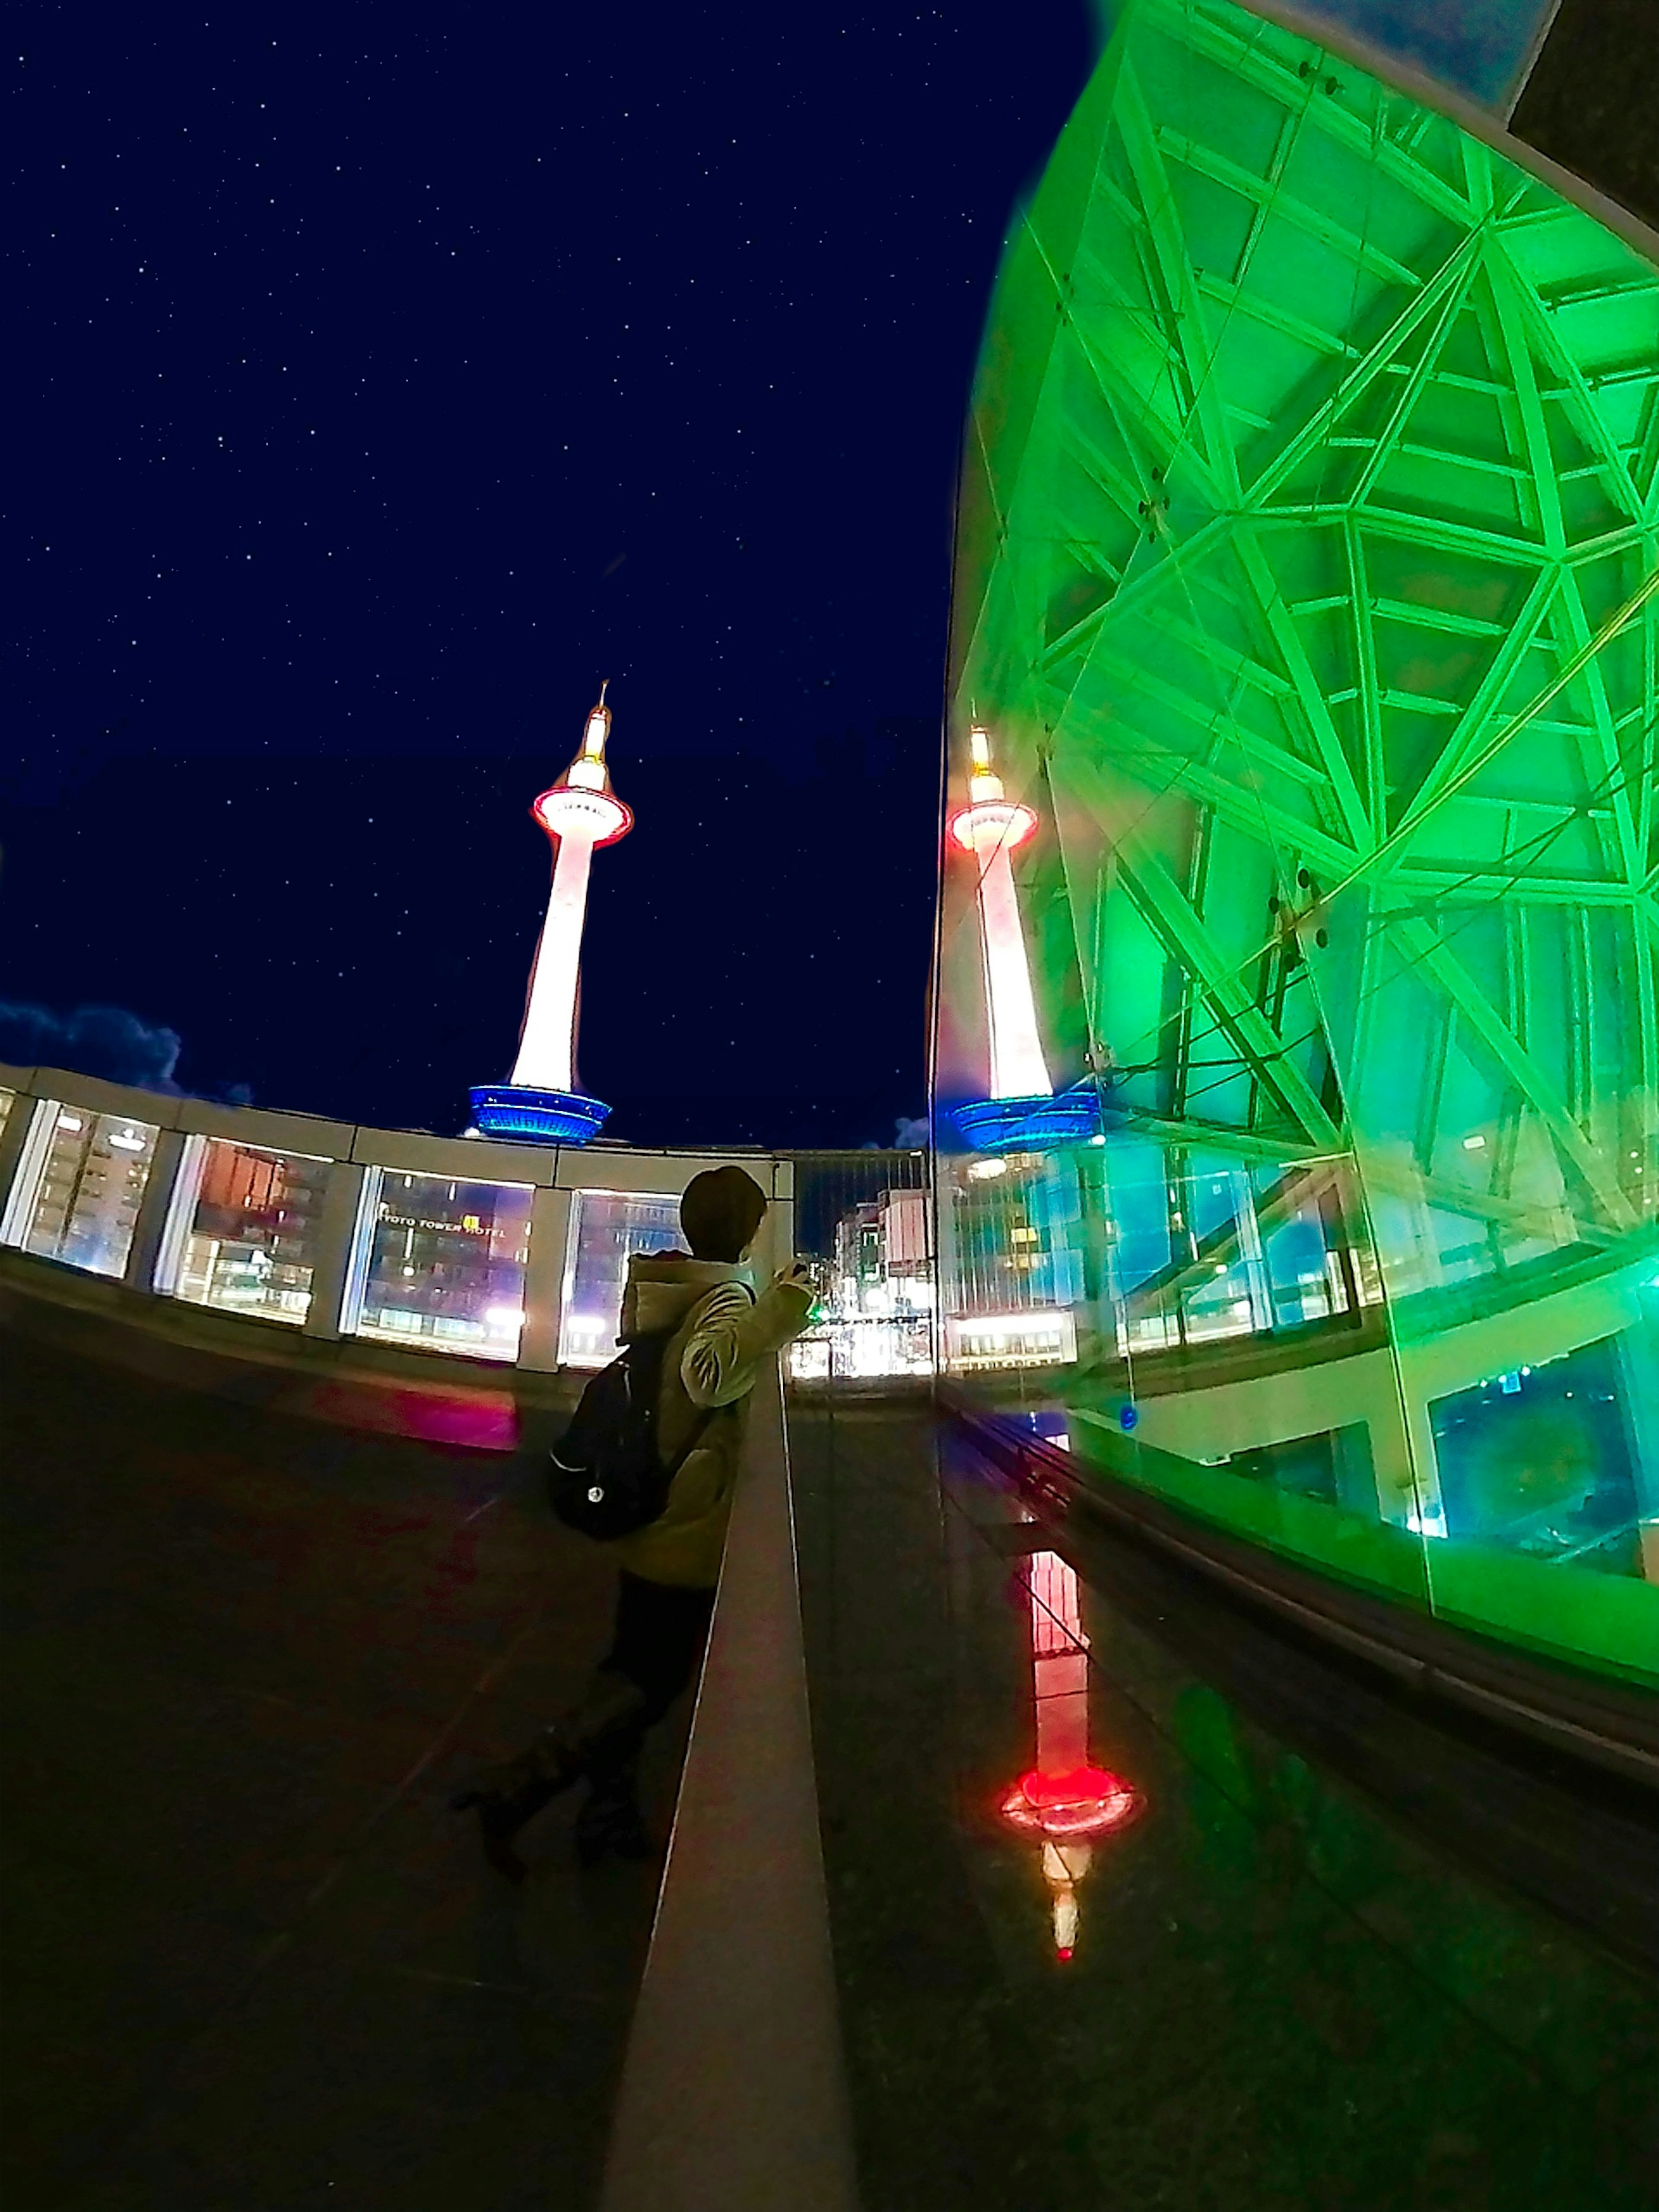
[251, 1960]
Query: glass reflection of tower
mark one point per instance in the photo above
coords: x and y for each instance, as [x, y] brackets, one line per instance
[1320, 580]
[1020, 1108]
[542, 1102]
[1063, 1800]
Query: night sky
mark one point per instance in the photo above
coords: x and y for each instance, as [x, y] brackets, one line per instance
[381, 379]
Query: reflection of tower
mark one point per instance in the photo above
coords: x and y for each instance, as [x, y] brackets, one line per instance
[1063, 1799]
[1021, 1109]
[990, 827]
[542, 1100]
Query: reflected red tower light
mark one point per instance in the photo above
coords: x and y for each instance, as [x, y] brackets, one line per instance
[1064, 1800]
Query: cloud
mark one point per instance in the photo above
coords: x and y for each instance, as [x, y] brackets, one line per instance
[104, 1040]
[910, 1134]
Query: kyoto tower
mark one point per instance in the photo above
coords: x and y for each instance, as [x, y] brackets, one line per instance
[541, 1102]
[1022, 1108]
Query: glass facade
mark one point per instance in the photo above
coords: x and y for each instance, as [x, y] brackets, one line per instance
[84, 1187]
[439, 1264]
[606, 1228]
[1478, 49]
[1302, 776]
[245, 1226]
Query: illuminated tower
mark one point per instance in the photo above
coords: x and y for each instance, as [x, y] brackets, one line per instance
[542, 1102]
[1022, 1108]
[990, 827]
[1064, 1800]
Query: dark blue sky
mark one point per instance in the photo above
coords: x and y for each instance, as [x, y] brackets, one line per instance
[381, 379]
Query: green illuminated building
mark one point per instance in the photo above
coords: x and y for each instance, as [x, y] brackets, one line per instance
[1307, 580]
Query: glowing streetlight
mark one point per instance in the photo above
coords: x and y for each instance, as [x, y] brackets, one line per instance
[542, 1100]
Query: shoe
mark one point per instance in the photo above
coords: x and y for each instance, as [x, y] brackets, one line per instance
[601, 1731]
[516, 1793]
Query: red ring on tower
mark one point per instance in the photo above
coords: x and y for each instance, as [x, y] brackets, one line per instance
[1070, 1807]
[601, 811]
[1011, 816]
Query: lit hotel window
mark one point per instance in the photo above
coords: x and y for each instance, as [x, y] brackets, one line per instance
[244, 1229]
[86, 1179]
[606, 1228]
[437, 1264]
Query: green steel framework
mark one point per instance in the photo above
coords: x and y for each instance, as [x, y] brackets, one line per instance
[1307, 554]
[1307, 578]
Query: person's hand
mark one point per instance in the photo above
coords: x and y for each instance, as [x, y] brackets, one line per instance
[797, 1276]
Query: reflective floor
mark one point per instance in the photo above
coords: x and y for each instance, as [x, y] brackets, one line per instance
[1310, 1960]
[251, 1963]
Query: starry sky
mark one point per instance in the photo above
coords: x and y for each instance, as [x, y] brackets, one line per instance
[382, 378]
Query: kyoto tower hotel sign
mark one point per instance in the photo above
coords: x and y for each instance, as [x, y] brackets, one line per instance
[542, 1102]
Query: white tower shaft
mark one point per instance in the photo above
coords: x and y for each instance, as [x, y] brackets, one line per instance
[547, 1049]
[1018, 1068]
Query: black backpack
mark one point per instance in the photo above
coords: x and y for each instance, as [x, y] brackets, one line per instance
[604, 1476]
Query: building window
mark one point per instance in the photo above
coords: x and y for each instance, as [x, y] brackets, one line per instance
[439, 1264]
[606, 1228]
[874, 1312]
[84, 1176]
[246, 1229]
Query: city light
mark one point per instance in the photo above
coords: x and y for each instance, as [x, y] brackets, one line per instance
[1042, 1337]
[877, 1303]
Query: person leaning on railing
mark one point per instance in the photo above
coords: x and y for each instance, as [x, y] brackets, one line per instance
[722, 1335]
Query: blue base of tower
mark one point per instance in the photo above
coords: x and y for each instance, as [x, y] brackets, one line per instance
[538, 1117]
[1015, 1124]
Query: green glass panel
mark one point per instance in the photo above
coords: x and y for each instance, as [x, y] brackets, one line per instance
[1307, 585]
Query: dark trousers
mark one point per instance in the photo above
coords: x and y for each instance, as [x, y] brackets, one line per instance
[658, 1638]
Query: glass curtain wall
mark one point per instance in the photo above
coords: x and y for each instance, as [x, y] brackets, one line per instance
[607, 1228]
[82, 1187]
[440, 1263]
[1297, 1055]
[245, 1221]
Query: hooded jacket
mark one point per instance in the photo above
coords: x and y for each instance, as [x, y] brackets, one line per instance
[722, 1335]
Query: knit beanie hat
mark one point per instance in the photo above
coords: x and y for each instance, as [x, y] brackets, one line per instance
[720, 1212]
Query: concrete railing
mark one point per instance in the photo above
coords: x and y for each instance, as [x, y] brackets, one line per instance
[140, 1226]
[733, 2095]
